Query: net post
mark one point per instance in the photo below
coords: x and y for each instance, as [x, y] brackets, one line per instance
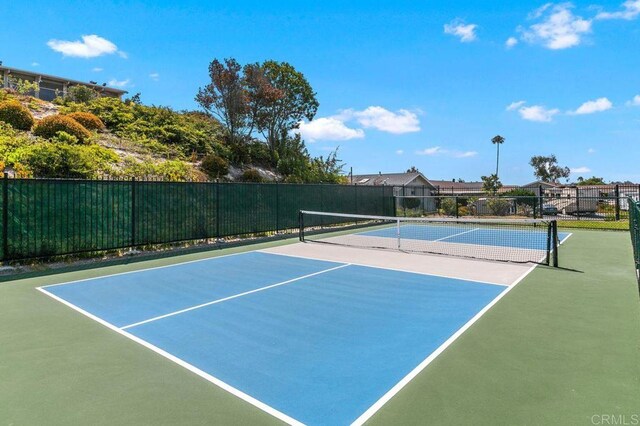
[398, 232]
[301, 226]
[555, 242]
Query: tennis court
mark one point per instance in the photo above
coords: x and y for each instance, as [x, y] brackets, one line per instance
[309, 333]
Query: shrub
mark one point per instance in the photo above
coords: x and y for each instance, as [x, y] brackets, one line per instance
[448, 206]
[58, 160]
[15, 114]
[81, 94]
[252, 175]
[88, 120]
[214, 166]
[411, 203]
[499, 206]
[48, 127]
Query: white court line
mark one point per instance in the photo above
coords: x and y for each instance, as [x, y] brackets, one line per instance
[459, 233]
[147, 269]
[235, 296]
[402, 383]
[390, 269]
[236, 392]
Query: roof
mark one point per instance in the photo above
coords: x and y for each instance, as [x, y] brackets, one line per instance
[390, 179]
[449, 184]
[64, 80]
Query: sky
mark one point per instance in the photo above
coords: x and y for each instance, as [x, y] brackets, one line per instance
[400, 84]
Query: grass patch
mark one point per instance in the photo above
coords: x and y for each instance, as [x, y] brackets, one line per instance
[616, 225]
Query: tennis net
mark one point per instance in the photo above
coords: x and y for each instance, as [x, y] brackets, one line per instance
[516, 240]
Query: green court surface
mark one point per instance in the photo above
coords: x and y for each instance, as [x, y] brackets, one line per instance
[560, 348]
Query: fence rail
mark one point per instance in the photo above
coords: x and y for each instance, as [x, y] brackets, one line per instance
[51, 217]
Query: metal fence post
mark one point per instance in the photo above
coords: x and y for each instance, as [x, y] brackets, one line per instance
[541, 202]
[577, 203]
[617, 195]
[455, 200]
[277, 208]
[217, 186]
[133, 212]
[5, 216]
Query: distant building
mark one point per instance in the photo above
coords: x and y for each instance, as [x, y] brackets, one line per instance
[50, 87]
[410, 181]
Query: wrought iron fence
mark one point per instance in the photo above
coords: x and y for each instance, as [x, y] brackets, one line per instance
[570, 205]
[52, 217]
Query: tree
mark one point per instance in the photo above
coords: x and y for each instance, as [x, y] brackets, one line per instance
[413, 169]
[546, 168]
[491, 184]
[225, 98]
[591, 181]
[497, 140]
[283, 98]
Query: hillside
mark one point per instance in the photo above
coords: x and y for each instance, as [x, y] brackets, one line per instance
[111, 138]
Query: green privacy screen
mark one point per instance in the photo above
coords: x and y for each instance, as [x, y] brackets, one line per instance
[42, 217]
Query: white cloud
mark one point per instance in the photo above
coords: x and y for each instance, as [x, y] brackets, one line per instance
[399, 152]
[35, 64]
[630, 10]
[582, 169]
[591, 151]
[465, 154]
[97, 69]
[430, 151]
[635, 101]
[537, 113]
[154, 76]
[436, 150]
[511, 41]
[515, 105]
[466, 33]
[559, 27]
[119, 83]
[91, 46]
[402, 121]
[328, 128]
[590, 107]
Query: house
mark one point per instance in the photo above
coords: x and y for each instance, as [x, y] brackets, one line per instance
[410, 181]
[49, 86]
[470, 189]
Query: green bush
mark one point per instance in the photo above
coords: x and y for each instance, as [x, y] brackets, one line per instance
[214, 166]
[81, 94]
[448, 206]
[498, 206]
[252, 175]
[172, 170]
[411, 203]
[48, 127]
[88, 120]
[16, 115]
[61, 160]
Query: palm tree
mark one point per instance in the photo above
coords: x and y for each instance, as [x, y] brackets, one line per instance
[497, 140]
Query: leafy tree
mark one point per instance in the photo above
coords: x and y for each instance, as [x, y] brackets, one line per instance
[491, 184]
[226, 98]
[282, 97]
[546, 168]
[497, 140]
[591, 181]
[81, 94]
[413, 169]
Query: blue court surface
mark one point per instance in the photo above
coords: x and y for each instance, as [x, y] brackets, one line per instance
[318, 342]
[515, 238]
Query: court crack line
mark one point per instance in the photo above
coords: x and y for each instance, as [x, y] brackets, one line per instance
[235, 296]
